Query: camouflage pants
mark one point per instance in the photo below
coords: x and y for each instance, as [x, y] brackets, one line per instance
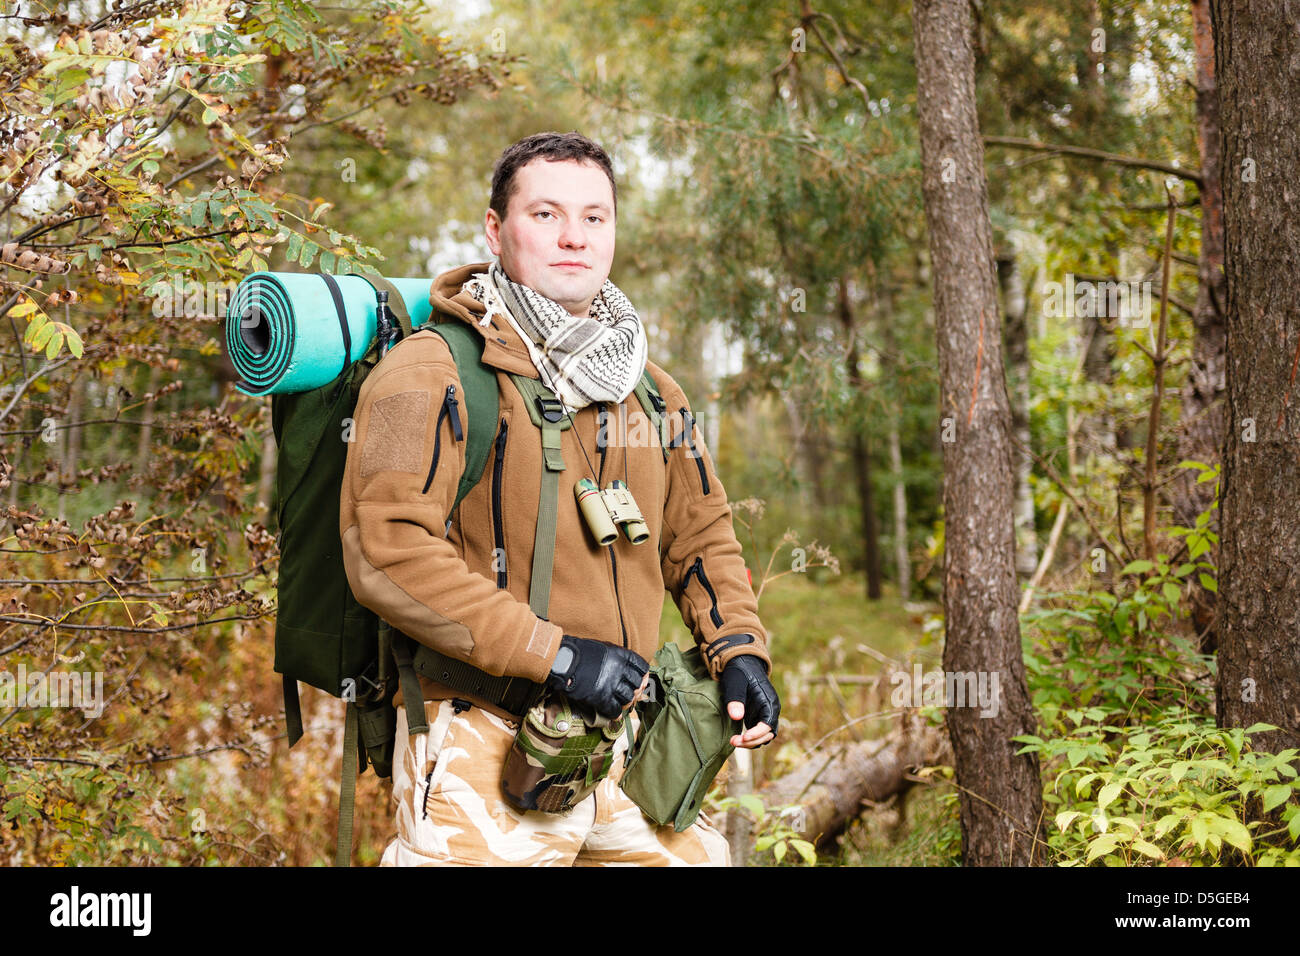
[450, 811]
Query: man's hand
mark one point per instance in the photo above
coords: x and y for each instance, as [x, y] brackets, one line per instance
[602, 676]
[750, 696]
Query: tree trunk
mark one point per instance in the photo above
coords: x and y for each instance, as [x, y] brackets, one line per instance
[1201, 434]
[1001, 797]
[861, 452]
[1257, 51]
[902, 564]
[902, 559]
[144, 444]
[72, 438]
[1016, 333]
[828, 789]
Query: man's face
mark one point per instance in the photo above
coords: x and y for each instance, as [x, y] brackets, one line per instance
[558, 233]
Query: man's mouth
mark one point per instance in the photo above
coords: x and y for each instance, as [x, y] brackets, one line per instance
[571, 265]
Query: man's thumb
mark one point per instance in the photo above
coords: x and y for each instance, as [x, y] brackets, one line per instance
[736, 710]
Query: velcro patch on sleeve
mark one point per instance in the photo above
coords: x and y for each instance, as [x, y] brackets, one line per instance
[395, 436]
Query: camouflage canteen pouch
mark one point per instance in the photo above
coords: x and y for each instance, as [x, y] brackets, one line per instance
[559, 755]
[684, 739]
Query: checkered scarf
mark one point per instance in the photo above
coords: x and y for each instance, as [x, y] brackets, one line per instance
[596, 359]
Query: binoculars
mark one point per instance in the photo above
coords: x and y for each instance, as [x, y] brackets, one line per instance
[605, 509]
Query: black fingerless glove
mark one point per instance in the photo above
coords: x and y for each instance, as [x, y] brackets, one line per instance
[745, 679]
[600, 675]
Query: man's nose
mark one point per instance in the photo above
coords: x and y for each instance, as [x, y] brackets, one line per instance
[572, 235]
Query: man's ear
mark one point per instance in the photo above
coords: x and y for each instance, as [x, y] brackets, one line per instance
[492, 230]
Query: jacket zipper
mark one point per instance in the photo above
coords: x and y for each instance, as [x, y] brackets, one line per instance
[697, 569]
[498, 527]
[613, 563]
[689, 421]
[449, 404]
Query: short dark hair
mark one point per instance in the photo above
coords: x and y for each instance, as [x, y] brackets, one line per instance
[554, 147]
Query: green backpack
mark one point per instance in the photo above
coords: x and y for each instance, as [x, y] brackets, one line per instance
[323, 635]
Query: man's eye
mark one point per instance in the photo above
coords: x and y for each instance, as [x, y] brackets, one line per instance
[543, 213]
[597, 218]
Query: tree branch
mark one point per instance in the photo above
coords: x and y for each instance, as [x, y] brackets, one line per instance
[1135, 162]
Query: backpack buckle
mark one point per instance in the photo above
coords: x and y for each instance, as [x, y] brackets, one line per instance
[551, 409]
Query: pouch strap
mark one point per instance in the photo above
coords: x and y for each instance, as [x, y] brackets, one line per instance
[412, 693]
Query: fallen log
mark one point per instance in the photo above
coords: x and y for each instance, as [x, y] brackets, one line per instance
[828, 790]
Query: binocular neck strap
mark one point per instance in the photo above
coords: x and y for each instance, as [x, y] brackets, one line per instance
[547, 413]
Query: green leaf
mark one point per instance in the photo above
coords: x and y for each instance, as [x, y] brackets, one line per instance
[1167, 823]
[1084, 784]
[1171, 591]
[75, 345]
[1276, 796]
[805, 850]
[1102, 845]
[778, 851]
[327, 262]
[1200, 830]
[1138, 567]
[1108, 794]
[1148, 849]
[1183, 570]
[1293, 827]
[1259, 728]
[308, 253]
[1066, 817]
[294, 246]
[1235, 832]
[752, 803]
[1208, 582]
[42, 336]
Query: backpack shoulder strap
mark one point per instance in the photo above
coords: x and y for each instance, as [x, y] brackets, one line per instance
[482, 399]
[647, 393]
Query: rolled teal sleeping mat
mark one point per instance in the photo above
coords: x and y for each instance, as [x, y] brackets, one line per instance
[292, 331]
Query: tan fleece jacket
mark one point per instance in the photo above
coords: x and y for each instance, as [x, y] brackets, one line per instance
[464, 590]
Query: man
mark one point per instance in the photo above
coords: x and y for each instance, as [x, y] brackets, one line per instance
[471, 582]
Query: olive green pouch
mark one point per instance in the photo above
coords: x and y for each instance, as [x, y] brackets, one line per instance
[684, 739]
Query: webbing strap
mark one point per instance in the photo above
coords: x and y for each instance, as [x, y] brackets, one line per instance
[337, 295]
[548, 507]
[412, 693]
[647, 393]
[546, 412]
[347, 788]
[514, 695]
[292, 709]
[395, 301]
